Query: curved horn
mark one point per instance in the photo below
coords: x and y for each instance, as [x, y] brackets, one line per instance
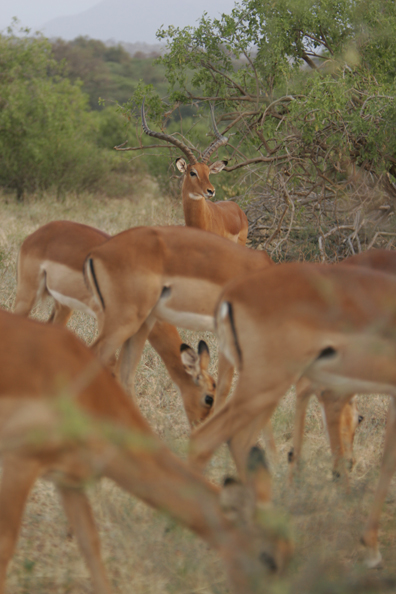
[168, 138]
[220, 140]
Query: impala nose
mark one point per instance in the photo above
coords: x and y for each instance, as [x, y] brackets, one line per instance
[209, 400]
[210, 193]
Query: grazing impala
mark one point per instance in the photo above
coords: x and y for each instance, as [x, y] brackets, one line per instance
[223, 218]
[64, 417]
[346, 417]
[334, 325]
[171, 274]
[50, 262]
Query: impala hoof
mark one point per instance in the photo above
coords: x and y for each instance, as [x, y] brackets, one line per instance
[373, 558]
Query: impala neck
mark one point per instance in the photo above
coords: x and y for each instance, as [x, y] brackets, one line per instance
[195, 209]
[164, 482]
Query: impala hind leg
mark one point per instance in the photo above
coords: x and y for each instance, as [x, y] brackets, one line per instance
[19, 475]
[130, 355]
[388, 467]
[79, 514]
[108, 341]
[333, 409]
[31, 288]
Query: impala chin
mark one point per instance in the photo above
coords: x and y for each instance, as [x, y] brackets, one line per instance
[196, 196]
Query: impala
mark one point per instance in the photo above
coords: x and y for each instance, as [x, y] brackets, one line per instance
[346, 417]
[50, 262]
[334, 325]
[223, 218]
[50, 380]
[171, 274]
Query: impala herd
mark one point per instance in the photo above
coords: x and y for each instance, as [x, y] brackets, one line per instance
[330, 330]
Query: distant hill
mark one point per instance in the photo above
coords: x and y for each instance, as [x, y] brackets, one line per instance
[132, 21]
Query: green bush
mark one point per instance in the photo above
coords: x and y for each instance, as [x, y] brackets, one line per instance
[47, 135]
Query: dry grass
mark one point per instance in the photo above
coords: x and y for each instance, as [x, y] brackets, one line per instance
[145, 552]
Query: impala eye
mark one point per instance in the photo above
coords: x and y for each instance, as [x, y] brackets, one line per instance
[193, 174]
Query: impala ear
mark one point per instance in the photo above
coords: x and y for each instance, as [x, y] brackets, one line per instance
[181, 165]
[204, 355]
[190, 361]
[217, 166]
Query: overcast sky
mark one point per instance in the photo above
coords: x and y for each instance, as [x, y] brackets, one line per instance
[36, 13]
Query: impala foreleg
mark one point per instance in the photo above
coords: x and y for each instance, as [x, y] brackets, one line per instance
[236, 421]
[388, 467]
[349, 420]
[19, 475]
[79, 514]
[241, 443]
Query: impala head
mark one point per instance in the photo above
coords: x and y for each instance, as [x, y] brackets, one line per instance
[196, 365]
[196, 182]
[196, 172]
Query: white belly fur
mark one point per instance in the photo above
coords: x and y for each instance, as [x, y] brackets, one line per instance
[184, 319]
[190, 303]
[67, 286]
[70, 302]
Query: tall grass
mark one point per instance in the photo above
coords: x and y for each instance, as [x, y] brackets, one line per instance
[144, 551]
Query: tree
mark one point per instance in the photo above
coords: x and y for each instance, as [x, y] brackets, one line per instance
[306, 91]
[46, 131]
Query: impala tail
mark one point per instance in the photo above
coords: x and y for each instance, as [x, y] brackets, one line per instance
[227, 334]
[92, 282]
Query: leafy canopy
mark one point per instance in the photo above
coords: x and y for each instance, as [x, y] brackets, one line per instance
[305, 90]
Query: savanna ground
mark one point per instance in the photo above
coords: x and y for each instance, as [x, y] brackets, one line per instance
[144, 551]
